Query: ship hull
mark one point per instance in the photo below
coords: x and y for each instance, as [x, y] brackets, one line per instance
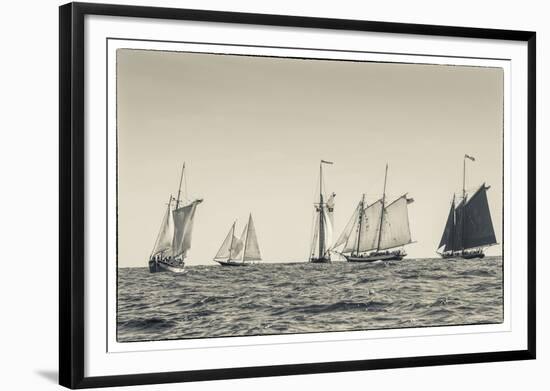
[373, 257]
[229, 263]
[465, 255]
[319, 260]
[473, 256]
[234, 263]
[159, 266]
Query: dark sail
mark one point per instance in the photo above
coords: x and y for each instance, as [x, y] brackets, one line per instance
[478, 226]
[458, 228]
[447, 238]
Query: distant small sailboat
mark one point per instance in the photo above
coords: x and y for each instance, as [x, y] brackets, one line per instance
[469, 228]
[378, 227]
[322, 228]
[241, 251]
[174, 238]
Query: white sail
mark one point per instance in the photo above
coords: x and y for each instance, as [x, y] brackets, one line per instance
[351, 242]
[238, 245]
[361, 233]
[164, 240]
[225, 250]
[183, 229]
[395, 225]
[350, 226]
[371, 227]
[315, 240]
[328, 221]
[323, 226]
[252, 249]
[327, 230]
[236, 248]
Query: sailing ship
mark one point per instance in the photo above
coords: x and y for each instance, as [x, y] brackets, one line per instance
[241, 251]
[469, 228]
[322, 227]
[380, 227]
[174, 237]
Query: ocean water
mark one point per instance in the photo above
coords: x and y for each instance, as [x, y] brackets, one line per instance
[215, 301]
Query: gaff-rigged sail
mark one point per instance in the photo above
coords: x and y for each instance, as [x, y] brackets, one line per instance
[324, 234]
[447, 239]
[362, 233]
[323, 224]
[469, 224]
[395, 225]
[175, 234]
[478, 226]
[183, 229]
[315, 240]
[378, 226]
[371, 227]
[350, 227]
[166, 233]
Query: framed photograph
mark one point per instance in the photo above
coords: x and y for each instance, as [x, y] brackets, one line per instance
[247, 195]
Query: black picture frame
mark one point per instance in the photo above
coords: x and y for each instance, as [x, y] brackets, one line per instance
[71, 189]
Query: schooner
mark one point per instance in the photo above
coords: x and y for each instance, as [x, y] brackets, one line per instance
[174, 237]
[322, 227]
[241, 251]
[378, 227]
[469, 228]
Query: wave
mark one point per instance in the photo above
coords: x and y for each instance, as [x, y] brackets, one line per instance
[477, 273]
[374, 306]
[211, 301]
[154, 323]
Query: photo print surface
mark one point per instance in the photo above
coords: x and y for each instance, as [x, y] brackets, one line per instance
[271, 195]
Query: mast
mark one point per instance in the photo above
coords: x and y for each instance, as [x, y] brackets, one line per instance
[179, 189]
[321, 216]
[360, 223]
[466, 156]
[382, 213]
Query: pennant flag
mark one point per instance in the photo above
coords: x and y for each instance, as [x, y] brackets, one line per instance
[470, 157]
[326, 162]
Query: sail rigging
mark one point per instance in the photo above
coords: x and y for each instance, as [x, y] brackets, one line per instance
[371, 227]
[176, 230]
[323, 223]
[469, 224]
[478, 226]
[225, 249]
[344, 237]
[362, 232]
[165, 236]
[376, 226]
[183, 228]
[243, 249]
[251, 247]
[447, 239]
[322, 233]
[395, 229]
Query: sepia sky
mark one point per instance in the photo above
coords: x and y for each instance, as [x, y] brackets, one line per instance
[253, 129]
